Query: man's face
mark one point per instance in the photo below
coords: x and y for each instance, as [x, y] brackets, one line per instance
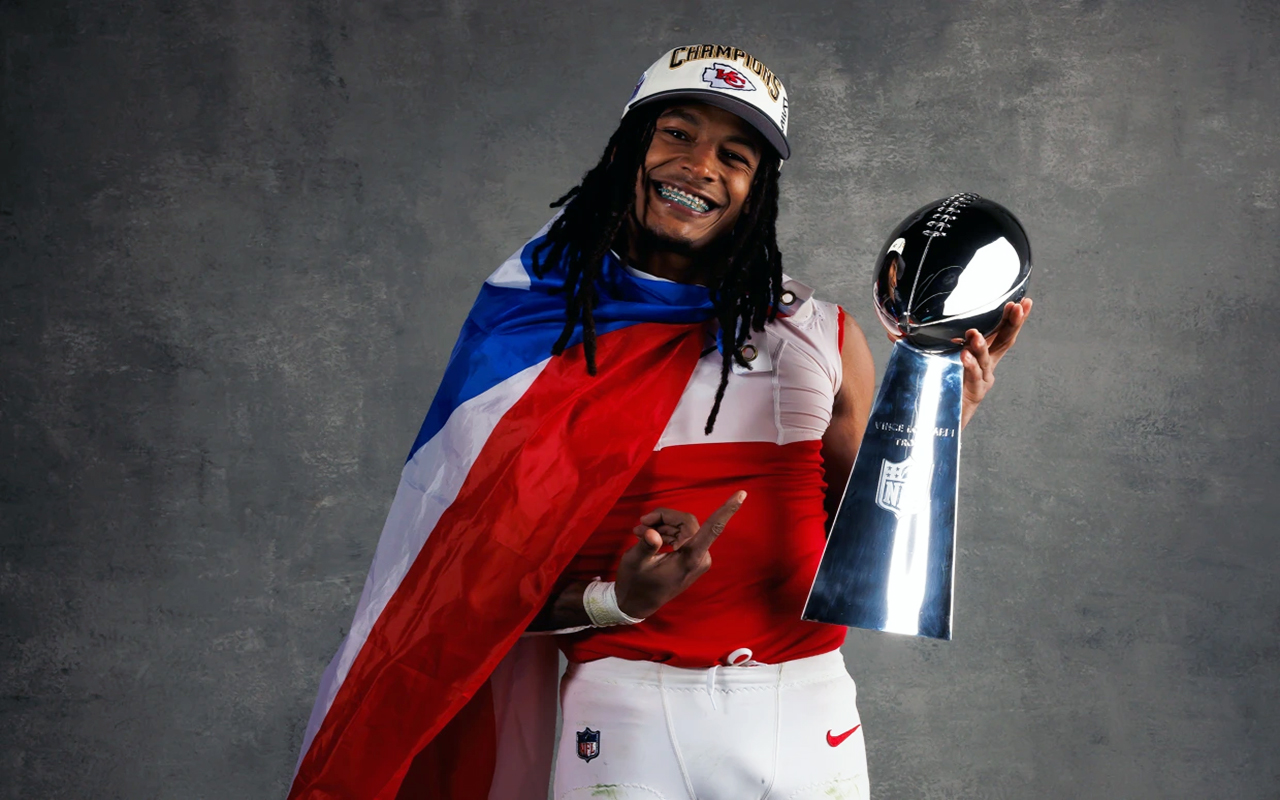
[696, 176]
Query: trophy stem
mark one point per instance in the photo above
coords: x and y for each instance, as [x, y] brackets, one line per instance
[890, 554]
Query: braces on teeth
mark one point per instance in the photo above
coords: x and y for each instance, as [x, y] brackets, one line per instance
[683, 198]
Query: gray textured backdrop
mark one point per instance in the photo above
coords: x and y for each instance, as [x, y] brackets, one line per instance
[238, 239]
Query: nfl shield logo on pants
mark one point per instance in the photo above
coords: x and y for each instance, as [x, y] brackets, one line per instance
[588, 744]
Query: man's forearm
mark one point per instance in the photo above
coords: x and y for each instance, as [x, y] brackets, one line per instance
[563, 610]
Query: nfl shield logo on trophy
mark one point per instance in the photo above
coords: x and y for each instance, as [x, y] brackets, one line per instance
[903, 484]
[588, 744]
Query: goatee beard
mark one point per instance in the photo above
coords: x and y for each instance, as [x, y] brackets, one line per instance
[648, 241]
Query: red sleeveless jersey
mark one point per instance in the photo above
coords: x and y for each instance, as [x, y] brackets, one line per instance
[767, 441]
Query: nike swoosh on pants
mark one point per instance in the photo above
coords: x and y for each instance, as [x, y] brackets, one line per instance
[835, 741]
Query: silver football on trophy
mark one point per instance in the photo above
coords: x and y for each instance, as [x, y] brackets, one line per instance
[948, 267]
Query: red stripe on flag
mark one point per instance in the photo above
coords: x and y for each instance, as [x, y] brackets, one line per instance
[458, 763]
[543, 481]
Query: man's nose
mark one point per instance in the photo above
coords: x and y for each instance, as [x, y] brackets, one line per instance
[702, 161]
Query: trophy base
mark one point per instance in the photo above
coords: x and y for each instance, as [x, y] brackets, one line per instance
[890, 555]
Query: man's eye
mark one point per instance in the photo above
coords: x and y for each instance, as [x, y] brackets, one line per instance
[676, 132]
[732, 156]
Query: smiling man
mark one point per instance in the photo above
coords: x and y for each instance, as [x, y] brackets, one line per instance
[687, 679]
[636, 382]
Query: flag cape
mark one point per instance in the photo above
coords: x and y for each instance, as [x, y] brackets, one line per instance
[520, 457]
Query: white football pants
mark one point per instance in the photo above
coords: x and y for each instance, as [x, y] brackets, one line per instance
[637, 730]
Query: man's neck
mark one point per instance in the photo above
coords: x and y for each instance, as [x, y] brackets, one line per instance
[671, 266]
[681, 266]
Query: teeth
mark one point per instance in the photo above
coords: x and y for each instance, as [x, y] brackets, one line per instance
[683, 198]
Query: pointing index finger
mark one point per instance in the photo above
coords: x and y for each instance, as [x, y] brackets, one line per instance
[714, 525]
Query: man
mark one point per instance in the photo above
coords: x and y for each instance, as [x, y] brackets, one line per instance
[582, 494]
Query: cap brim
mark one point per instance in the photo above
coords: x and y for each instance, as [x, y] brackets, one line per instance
[752, 115]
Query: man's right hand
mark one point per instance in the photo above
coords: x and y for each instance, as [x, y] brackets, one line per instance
[649, 577]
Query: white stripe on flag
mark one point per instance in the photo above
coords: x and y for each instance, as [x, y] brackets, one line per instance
[429, 484]
[512, 273]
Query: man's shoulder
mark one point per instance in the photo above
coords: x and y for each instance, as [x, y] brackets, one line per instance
[800, 307]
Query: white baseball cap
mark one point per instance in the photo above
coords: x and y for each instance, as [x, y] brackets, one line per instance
[725, 77]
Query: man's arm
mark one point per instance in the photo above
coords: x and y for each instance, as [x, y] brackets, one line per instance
[854, 400]
[849, 413]
[648, 576]
[564, 610]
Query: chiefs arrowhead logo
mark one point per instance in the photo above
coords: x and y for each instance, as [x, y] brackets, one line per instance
[723, 76]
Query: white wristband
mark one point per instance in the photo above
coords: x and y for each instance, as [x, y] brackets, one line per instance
[600, 599]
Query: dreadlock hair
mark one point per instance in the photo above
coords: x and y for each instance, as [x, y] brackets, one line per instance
[746, 283]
